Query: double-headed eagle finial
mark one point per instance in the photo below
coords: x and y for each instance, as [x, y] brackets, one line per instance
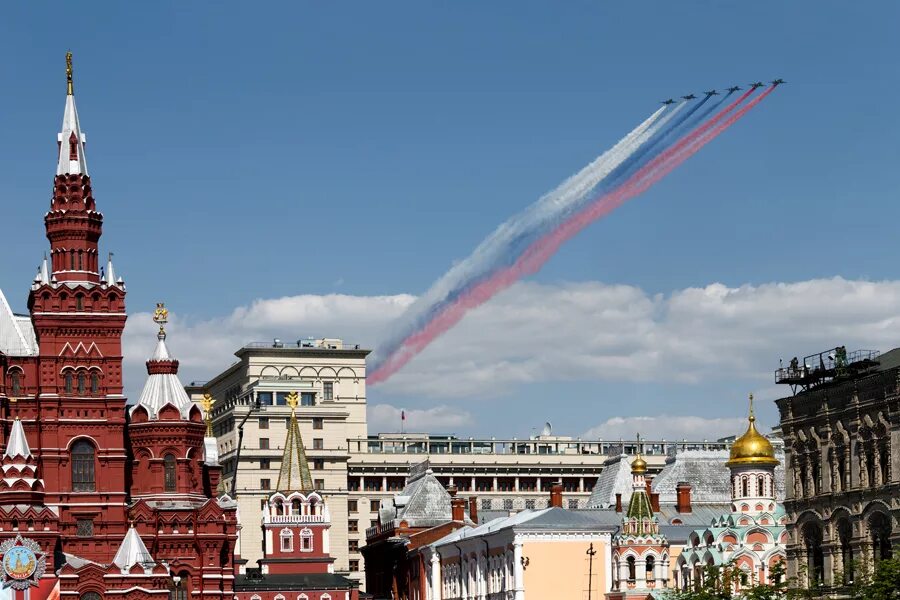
[207, 404]
[161, 317]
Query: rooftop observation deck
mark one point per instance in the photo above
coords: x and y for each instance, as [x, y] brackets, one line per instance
[303, 344]
[825, 366]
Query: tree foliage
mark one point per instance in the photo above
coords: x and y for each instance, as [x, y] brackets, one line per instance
[718, 584]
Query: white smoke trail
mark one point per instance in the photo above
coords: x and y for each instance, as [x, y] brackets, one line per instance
[549, 209]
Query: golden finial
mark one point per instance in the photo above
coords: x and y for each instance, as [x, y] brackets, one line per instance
[161, 317]
[752, 416]
[293, 400]
[207, 404]
[69, 88]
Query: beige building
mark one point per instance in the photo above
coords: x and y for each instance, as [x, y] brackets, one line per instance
[250, 419]
[357, 471]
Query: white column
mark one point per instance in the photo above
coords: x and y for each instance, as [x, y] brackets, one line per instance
[640, 573]
[518, 571]
[434, 591]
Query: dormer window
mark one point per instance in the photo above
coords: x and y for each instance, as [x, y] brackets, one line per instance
[73, 147]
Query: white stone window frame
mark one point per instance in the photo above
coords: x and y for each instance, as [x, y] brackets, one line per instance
[286, 535]
[306, 535]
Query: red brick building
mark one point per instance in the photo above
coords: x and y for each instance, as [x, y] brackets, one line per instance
[101, 499]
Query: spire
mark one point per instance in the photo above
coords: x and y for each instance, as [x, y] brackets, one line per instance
[132, 551]
[71, 140]
[110, 272]
[45, 271]
[294, 475]
[18, 443]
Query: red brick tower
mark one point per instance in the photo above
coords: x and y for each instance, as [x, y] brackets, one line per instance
[70, 397]
[175, 475]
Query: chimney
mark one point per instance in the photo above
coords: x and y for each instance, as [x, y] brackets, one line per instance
[473, 508]
[618, 503]
[556, 495]
[683, 502]
[458, 509]
[654, 502]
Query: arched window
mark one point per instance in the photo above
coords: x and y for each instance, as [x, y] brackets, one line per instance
[179, 588]
[295, 506]
[761, 486]
[15, 383]
[815, 558]
[81, 383]
[68, 379]
[845, 534]
[306, 540]
[95, 383]
[171, 479]
[83, 467]
[745, 487]
[90, 596]
[632, 573]
[650, 563]
[880, 527]
[287, 540]
[79, 299]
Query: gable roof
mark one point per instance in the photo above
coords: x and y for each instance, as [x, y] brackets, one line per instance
[614, 479]
[17, 336]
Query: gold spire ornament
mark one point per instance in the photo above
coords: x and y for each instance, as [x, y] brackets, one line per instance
[292, 400]
[69, 87]
[207, 404]
[752, 448]
[161, 316]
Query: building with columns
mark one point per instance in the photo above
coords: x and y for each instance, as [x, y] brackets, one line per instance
[841, 429]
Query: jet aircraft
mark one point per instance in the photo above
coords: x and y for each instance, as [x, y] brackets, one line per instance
[734, 88]
[669, 101]
[711, 93]
[689, 97]
[777, 82]
[758, 84]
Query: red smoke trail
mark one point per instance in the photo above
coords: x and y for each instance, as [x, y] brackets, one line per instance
[538, 254]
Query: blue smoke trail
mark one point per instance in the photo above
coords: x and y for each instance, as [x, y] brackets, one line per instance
[508, 242]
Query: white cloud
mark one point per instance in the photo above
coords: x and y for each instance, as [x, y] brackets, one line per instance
[578, 331]
[665, 427]
[438, 419]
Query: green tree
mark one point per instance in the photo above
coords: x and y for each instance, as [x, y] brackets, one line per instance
[883, 584]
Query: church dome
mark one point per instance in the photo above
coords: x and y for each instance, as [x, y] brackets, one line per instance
[639, 465]
[752, 448]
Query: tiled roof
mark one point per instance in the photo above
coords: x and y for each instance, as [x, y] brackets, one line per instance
[710, 479]
[423, 503]
[614, 479]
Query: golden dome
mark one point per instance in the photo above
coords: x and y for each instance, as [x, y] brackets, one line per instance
[752, 448]
[638, 466]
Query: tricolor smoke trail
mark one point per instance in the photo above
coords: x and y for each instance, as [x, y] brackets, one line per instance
[523, 244]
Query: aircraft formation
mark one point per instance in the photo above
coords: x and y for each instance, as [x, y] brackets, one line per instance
[730, 90]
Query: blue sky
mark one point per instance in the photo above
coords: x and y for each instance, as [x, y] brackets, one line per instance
[246, 151]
